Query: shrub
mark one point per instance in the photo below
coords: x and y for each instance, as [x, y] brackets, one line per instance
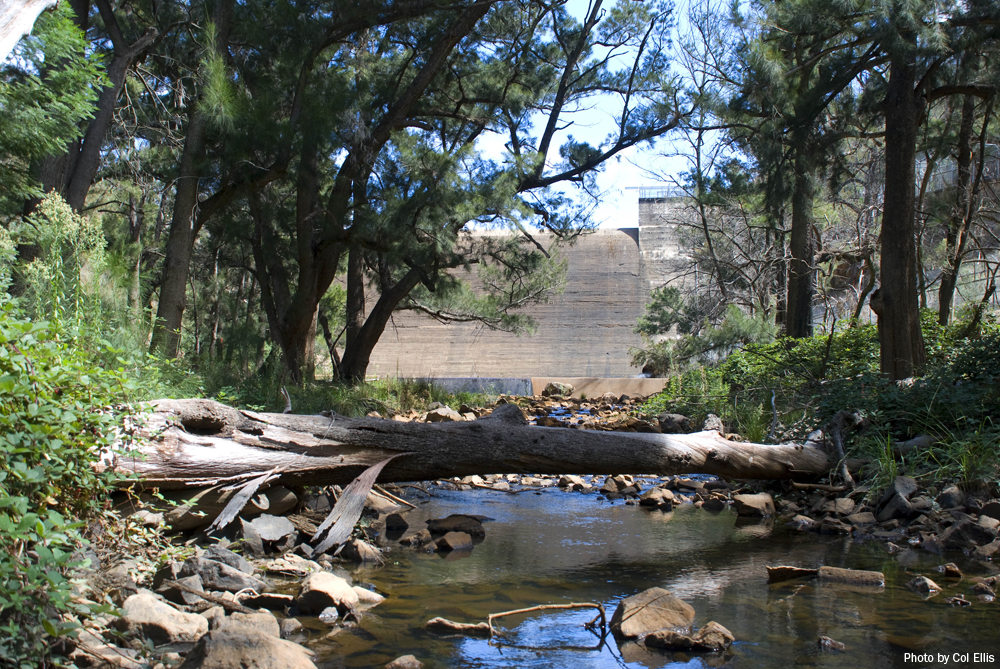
[56, 418]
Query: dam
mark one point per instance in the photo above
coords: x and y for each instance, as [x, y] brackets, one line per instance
[587, 330]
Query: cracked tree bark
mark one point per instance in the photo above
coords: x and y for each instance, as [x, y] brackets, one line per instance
[194, 442]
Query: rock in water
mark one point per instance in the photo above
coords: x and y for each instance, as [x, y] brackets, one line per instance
[457, 523]
[649, 611]
[325, 589]
[405, 662]
[760, 505]
[219, 576]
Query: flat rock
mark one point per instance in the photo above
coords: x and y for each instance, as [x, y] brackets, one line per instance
[896, 507]
[760, 505]
[862, 518]
[457, 523]
[649, 611]
[220, 576]
[251, 623]
[272, 528]
[904, 486]
[325, 589]
[239, 649]
[146, 617]
[712, 637]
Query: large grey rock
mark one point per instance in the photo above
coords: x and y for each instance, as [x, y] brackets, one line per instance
[760, 505]
[556, 388]
[674, 423]
[923, 585]
[220, 576]
[405, 662]
[966, 533]
[146, 617]
[239, 649]
[251, 623]
[272, 528]
[457, 523]
[897, 506]
[367, 598]
[324, 589]
[991, 509]
[648, 611]
[226, 556]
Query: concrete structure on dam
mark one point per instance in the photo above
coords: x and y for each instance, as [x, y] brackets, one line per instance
[586, 331]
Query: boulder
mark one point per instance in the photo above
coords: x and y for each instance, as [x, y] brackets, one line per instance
[656, 497]
[760, 505]
[572, 481]
[923, 585]
[966, 533]
[290, 627]
[239, 649]
[842, 506]
[991, 509]
[396, 523]
[454, 541]
[988, 551]
[220, 576]
[405, 662]
[896, 507]
[555, 388]
[367, 598]
[649, 611]
[713, 424]
[457, 523]
[357, 550]
[146, 617]
[862, 518]
[325, 589]
[904, 486]
[251, 623]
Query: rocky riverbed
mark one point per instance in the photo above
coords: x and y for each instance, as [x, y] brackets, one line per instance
[257, 595]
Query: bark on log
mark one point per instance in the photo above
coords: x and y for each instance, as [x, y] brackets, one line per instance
[199, 442]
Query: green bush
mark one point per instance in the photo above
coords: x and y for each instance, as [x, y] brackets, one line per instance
[58, 413]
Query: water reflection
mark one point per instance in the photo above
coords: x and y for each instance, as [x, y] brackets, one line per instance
[558, 548]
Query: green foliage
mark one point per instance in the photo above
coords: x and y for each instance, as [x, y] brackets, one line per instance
[708, 345]
[59, 413]
[47, 87]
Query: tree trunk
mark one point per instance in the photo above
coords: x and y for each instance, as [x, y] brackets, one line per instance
[180, 243]
[901, 342]
[201, 442]
[798, 318]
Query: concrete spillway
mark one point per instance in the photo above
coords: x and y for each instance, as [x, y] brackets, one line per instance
[586, 331]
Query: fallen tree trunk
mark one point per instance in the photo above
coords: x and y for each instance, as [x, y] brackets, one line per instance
[198, 442]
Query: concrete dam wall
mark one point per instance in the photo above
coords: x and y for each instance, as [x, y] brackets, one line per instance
[586, 331]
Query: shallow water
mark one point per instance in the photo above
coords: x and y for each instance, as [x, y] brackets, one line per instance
[554, 548]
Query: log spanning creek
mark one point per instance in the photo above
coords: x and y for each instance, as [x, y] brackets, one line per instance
[554, 547]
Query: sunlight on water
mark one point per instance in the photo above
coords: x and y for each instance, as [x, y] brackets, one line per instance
[555, 547]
